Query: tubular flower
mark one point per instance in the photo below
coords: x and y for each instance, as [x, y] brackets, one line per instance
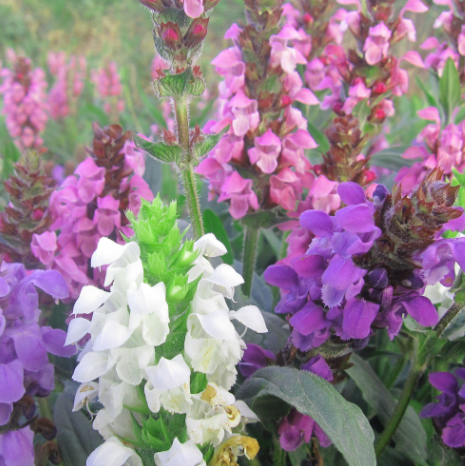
[265, 145]
[91, 204]
[162, 341]
[69, 83]
[24, 102]
[368, 265]
[25, 370]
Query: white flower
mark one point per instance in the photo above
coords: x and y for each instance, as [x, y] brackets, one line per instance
[150, 310]
[169, 385]
[120, 426]
[77, 329]
[251, 317]
[113, 453]
[85, 393]
[180, 454]
[92, 366]
[224, 279]
[90, 299]
[207, 246]
[206, 300]
[247, 415]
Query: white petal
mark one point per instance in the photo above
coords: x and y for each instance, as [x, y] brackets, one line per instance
[209, 246]
[77, 329]
[251, 317]
[180, 454]
[113, 335]
[217, 396]
[149, 300]
[90, 299]
[154, 331]
[126, 277]
[168, 374]
[113, 453]
[119, 255]
[153, 397]
[177, 400]
[131, 362]
[91, 367]
[225, 278]
[217, 325]
[247, 415]
[85, 392]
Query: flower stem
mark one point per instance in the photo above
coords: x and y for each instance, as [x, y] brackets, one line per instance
[402, 405]
[279, 455]
[186, 167]
[447, 318]
[252, 235]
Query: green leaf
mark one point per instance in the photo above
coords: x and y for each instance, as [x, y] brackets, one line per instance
[410, 436]
[343, 422]
[319, 137]
[159, 150]
[449, 89]
[460, 116]
[209, 142]
[213, 224]
[273, 240]
[432, 102]
[75, 435]
[391, 158]
[457, 323]
[182, 84]
[362, 111]
[11, 155]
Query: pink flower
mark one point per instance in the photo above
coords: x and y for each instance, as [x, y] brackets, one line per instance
[324, 194]
[314, 73]
[461, 41]
[266, 152]
[285, 189]
[281, 54]
[357, 93]
[239, 192]
[294, 86]
[377, 43]
[245, 113]
[91, 180]
[293, 150]
[229, 64]
[107, 216]
[193, 8]
[215, 172]
[44, 246]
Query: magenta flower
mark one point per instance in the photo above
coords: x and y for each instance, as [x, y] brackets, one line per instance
[377, 43]
[244, 113]
[283, 55]
[239, 192]
[266, 151]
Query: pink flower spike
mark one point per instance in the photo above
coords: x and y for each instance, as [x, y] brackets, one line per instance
[413, 58]
[193, 8]
[239, 191]
[266, 152]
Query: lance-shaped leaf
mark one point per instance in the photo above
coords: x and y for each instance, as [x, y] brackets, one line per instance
[209, 142]
[159, 150]
[182, 84]
[343, 422]
[392, 158]
[11, 155]
[449, 89]
[213, 224]
[410, 436]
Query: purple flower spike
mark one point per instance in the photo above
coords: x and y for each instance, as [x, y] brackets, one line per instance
[351, 193]
[318, 222]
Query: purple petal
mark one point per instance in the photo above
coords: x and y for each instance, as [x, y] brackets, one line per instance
[318, 222]
[317, 365]
[331, 296]
[351, 193]
[30, 349]
[356, 218]
[309, 320]
[311, 266]
[342, 272]
[453, 434]
[255, 357]
[4, 287]
[282, 276]
[357, 318]
[54, 340]
[16, 447]
[422, 310]
[11, 381]
[444, 382]
[50, 281]
[5, 411]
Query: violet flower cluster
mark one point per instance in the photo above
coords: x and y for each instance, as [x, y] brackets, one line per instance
[70, 74]
[24, 101]
[90, 205]
[448, 413]
[24, 346]
[260, 162]
[368, 265]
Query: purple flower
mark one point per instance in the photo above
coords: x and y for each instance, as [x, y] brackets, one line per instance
[448, 413]
[16, 447]
[255, 357]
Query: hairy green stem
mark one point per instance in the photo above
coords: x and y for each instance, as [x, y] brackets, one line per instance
[279, 455]
[44, 408]
[447, 318]
[252, 235]
[192, 200]
[402, 405]
[186, 167]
